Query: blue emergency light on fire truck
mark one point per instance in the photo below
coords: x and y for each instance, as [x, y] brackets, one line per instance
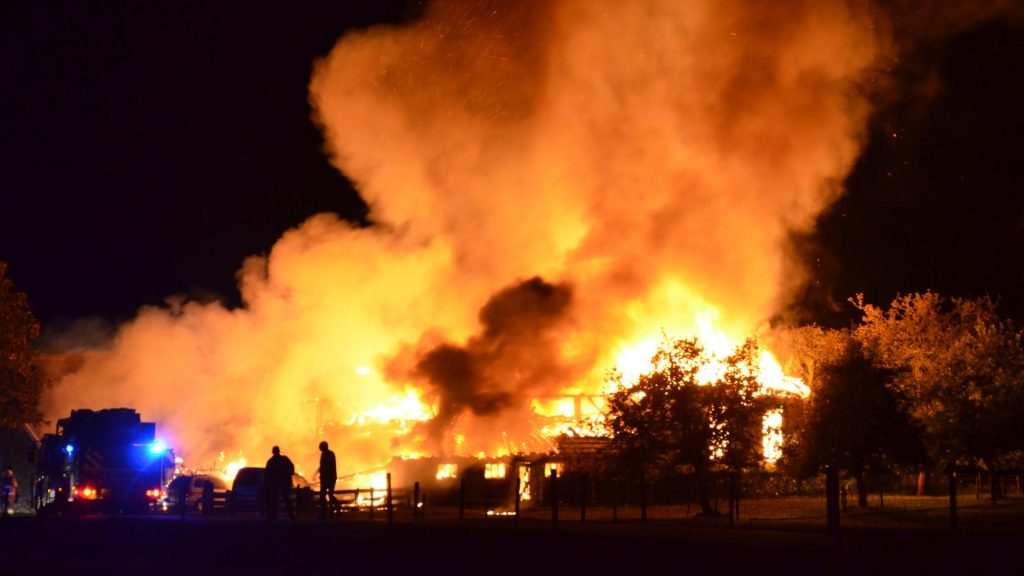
[104, 461]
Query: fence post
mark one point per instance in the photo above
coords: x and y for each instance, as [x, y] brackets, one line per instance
[373, 502]
[462, 498]
[615, 504]
[583, 498]
[952, 498]
[643, 497]
[691, 492]
[518, 495]
[732, 498]
[416, 500]
[554, 498]
[832, 500]
[388, 504]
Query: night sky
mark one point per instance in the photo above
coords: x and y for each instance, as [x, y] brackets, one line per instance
[149, 148]
[936, 199]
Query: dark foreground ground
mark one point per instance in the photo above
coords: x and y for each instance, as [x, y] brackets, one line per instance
[486, 547]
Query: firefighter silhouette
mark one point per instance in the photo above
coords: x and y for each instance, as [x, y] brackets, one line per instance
[8, 490]
[277, 481]
[328, 472]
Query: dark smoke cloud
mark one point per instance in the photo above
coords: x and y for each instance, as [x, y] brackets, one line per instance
[516, 353]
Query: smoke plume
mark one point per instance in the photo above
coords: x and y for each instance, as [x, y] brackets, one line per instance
[549, 183]
[494, 376]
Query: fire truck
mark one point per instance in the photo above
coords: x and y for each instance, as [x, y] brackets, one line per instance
[103, 461]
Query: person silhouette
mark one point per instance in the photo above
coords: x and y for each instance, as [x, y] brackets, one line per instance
[328, 472]
[8, 490]
[277, 481]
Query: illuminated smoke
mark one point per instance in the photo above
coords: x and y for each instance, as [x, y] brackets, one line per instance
[496, 373]
[613, 168]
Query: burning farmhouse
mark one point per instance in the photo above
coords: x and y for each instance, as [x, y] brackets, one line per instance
[557, 433]
[552, 186]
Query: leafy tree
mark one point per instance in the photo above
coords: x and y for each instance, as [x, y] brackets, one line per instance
[856, 420]
[676, 416]
[736, 406]
[806, 351]
[961, 366]
[21, 377]
[658, 423]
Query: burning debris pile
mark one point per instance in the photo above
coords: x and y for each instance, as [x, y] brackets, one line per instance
[552, 185]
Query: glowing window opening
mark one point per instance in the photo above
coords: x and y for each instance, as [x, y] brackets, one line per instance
[446, 471]
[558, 466]
[524, 482]
[494, 470]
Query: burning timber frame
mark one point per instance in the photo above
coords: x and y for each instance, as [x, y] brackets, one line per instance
[491, 483]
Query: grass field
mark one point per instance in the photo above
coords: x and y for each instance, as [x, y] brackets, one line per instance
[909, 535]
[806, 510]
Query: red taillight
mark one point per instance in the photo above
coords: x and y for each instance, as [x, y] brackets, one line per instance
[86, 493]
[153, 493]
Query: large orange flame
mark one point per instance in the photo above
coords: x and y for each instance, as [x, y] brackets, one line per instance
[643, 162]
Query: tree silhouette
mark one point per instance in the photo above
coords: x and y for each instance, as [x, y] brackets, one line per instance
[961, 366]
[693, 411]
[21, 377]
[658, 423]
[855, 419]
[737, 405]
